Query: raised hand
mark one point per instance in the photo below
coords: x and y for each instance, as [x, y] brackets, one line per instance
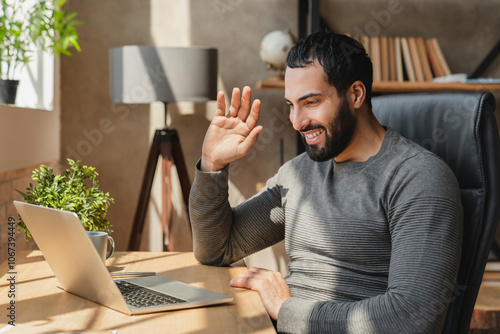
[230, 136]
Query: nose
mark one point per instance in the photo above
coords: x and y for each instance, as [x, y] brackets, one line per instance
[298, 118]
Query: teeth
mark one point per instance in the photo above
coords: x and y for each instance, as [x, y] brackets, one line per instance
[314, 134]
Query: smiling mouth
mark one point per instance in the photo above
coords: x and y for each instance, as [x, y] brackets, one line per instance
[313, 134]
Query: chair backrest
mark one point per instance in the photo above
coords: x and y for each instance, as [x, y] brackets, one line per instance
[461, 128]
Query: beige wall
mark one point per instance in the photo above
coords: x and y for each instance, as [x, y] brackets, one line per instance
[30, 136]
[112, 138]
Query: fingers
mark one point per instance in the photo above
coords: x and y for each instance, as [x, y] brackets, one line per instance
[240, 103]
[270, 285]
[251, 277]
[244, 107]
[240, 106]
[254, 114]
[246, 98]
[244, 280]
[247, 144]
[221, 104]
[235, 103]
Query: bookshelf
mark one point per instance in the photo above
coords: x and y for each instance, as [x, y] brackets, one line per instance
[405, 65]
[393, 87]
[414, 87]
[310, 20]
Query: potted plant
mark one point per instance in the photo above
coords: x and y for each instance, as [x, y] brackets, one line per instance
[21, 27]
[77, 190]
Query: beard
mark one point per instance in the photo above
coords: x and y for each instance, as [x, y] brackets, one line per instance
[338, 135]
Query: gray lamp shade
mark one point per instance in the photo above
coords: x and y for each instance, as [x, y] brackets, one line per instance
[144, 74]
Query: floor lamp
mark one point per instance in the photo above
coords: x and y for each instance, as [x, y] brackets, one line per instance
[145, 74]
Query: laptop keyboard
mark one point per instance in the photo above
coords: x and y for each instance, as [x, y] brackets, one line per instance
[139, 296]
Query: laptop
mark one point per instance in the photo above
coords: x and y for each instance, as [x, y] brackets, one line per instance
[62, 239]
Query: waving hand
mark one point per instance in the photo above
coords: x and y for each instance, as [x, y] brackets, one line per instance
[230, 136]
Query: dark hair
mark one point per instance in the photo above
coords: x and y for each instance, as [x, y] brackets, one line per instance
[343, 58]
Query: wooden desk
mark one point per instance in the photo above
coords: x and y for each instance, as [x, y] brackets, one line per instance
[486, 316]
[39, 302]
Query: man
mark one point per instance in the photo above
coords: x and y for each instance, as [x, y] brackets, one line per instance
[372, 222]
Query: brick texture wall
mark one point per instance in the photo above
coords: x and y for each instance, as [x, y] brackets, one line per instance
[9, 181]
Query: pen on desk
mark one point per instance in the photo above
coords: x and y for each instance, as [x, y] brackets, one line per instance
[133, 274]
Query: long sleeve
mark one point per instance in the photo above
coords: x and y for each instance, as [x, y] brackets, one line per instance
[424, 221]
[421, 277]
[223, 235]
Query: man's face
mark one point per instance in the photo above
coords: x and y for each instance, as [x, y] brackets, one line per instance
[325, 121]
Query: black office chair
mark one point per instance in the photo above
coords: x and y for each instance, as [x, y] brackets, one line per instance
[461, 128]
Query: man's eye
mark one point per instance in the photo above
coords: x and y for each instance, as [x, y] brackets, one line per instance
[313, 102]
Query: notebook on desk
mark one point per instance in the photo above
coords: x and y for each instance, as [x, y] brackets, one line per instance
[62, 239]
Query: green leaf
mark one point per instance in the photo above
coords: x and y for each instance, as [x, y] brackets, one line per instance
[44, 24]
[69, 191]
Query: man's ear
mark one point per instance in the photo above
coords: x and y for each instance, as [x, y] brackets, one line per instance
[358, 94]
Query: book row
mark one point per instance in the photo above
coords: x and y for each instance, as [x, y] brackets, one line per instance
[405, 58]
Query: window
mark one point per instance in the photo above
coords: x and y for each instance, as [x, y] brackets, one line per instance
[36, 82]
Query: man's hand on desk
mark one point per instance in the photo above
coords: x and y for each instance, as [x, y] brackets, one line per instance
[269, 284]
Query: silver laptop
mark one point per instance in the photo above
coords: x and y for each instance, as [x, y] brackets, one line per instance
[74, 260]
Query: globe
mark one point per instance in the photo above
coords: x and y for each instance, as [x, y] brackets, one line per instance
[274, 48]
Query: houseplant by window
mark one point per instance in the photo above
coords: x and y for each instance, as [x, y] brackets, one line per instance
[24, 24]
[77, 190]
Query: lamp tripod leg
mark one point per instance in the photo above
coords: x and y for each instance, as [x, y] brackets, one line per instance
[165, 144]
[183, 175]
[174, 157]
[145, 194]
[167, 208]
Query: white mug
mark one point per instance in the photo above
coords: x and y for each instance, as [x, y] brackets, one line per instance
[100, 240]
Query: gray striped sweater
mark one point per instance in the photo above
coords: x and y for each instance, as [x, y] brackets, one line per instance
[374, 246]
